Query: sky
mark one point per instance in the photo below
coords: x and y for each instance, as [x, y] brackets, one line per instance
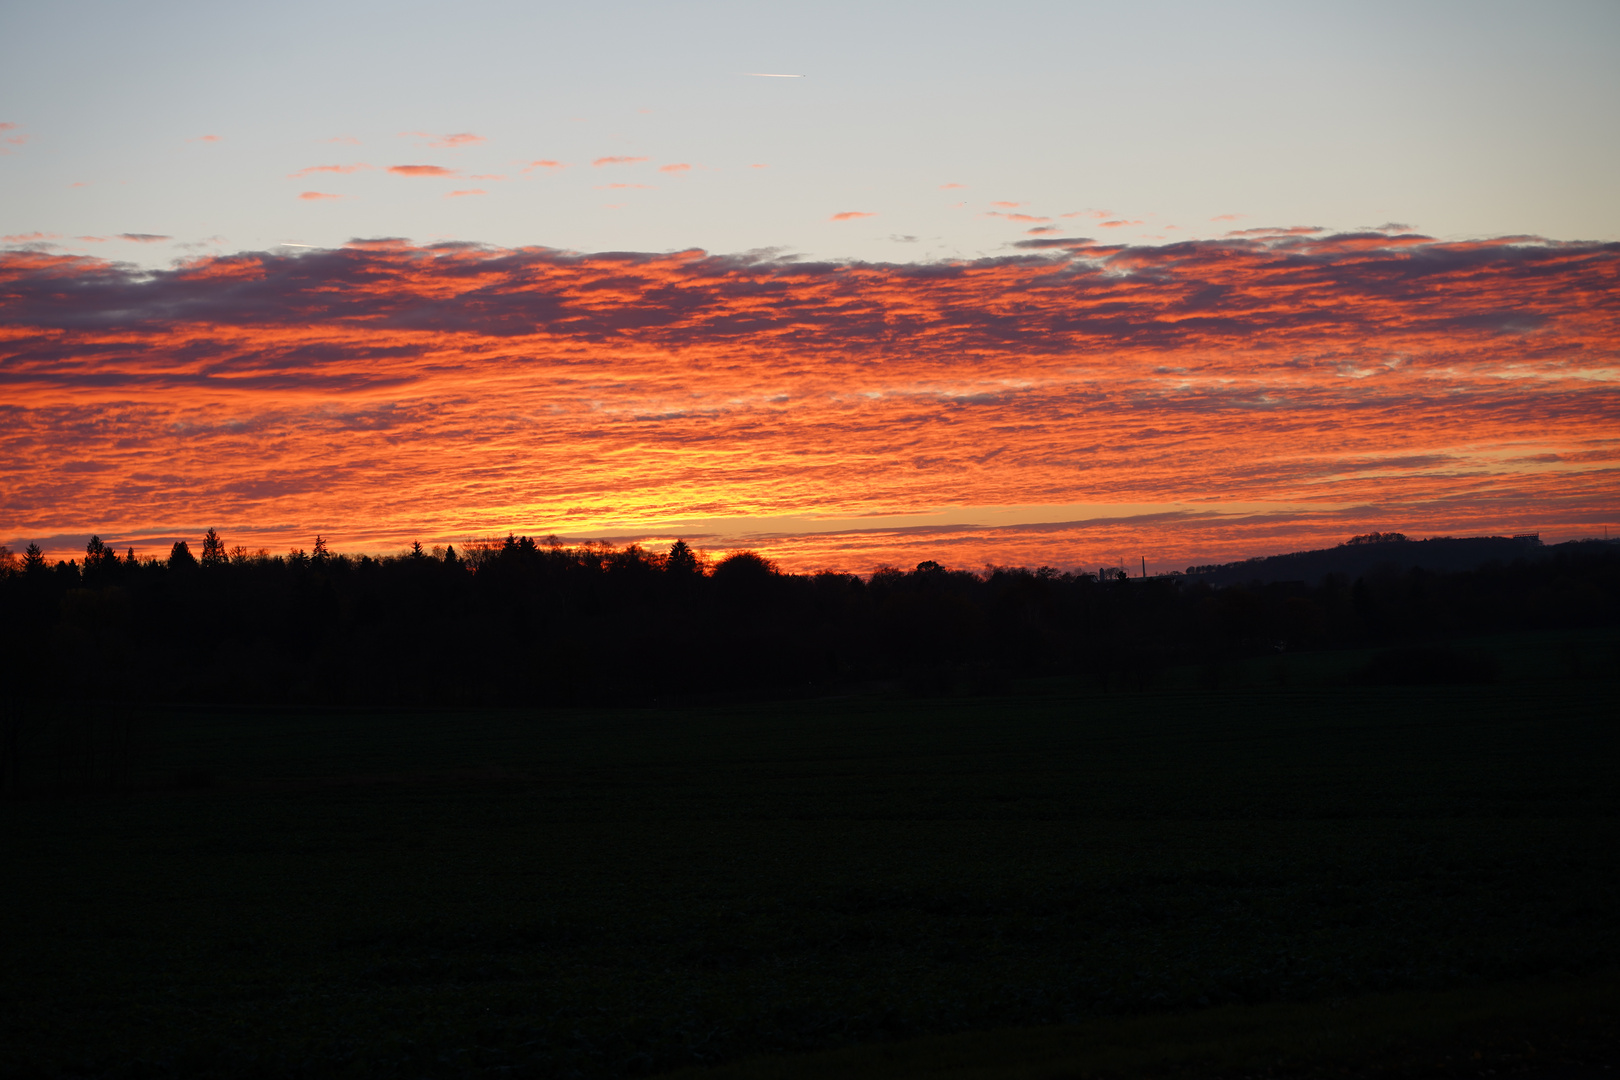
[1064, 284]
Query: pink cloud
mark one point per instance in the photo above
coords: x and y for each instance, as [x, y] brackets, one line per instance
[208, 138]
[1294, 230]
[1015, 217]
[92, 239]
[143, 237]
[1098, 214]
[1041, 229]
[759, 166]
[487, 176]
[617, 161]
[468, 191]
[316, 196]
[28, 238]
[543, 163]
[327, 168]
[1007, 205]
[678, 167]
[951, 187]
[445, 142]
[420, 170]
[346, 140]
[1228, 217]
[851, 215]
[12, 140]
[624, 187]
[1118, 223]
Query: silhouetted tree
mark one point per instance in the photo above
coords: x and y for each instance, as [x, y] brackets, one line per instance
[33, 560]
[181, 558]
[213, 550]
[681, 559]
[319, 554]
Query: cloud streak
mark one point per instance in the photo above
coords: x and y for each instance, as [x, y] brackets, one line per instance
[344, 169]
[1069, 404]
[449, 142]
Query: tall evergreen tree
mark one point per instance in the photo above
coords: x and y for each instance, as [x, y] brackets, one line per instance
[213, 549]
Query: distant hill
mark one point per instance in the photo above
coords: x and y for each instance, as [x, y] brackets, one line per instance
[1366, 554]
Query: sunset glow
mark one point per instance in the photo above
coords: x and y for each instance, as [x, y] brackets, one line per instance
[1074, 404]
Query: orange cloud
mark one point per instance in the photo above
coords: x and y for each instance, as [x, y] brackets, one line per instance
[1007, 205]
[1118, 223]
[951, 187]
[1205, 398]
[624, 187]
[542, 164]
[445, 142]
[1228, 217]
[617, 161]
[678, 167]
[315, 196]
[759, 165]
[307, 170]
[851, 215]
[207, 138]
[1014, 217]
[29, 238]
[420, 170]
[468, 191]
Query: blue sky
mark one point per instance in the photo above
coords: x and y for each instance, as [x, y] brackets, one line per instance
[1172, 120]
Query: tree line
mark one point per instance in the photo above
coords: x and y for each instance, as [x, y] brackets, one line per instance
[526, 621]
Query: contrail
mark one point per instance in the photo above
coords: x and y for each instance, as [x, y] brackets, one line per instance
[770, 75]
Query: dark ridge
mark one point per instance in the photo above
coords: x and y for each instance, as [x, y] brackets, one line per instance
[1372, 552]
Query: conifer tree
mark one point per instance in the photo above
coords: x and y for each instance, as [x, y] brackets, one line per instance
[213, 550]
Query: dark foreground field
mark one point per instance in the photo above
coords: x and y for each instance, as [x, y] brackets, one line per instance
[1285, 872]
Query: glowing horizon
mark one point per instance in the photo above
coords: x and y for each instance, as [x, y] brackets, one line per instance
[1075, 404]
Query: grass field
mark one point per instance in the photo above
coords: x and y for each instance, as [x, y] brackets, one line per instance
[616, 893]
